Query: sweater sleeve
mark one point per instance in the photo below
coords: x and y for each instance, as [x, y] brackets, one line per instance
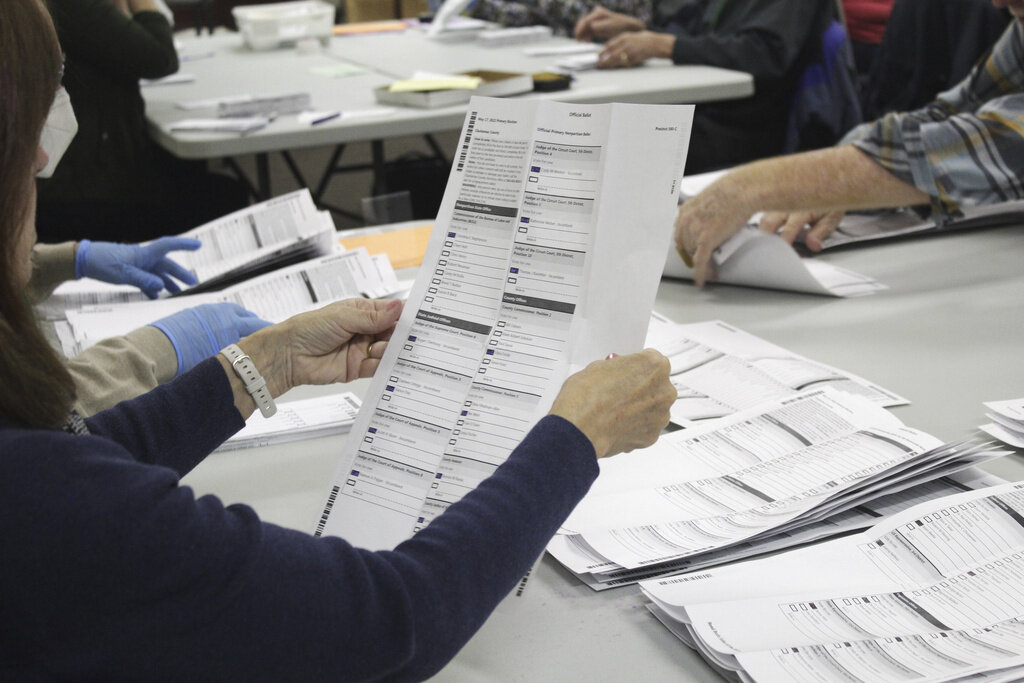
[177, 424]
[130, 48]
[120, 368]
[52, 264]
[150, 583]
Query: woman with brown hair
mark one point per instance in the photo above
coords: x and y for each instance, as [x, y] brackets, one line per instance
[112, 570]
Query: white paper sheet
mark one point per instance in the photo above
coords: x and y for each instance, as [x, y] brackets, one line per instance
[718, 369]
[519, 286]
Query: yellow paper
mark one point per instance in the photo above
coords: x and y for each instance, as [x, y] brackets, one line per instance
[370, 27]
[405, 248]
[425, 84]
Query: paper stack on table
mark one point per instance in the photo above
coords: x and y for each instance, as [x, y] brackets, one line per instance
[934, 593]
[719, 369]
[698, 495]
[1007, 421]
[274, 296]
[297, 420]
[273, 233]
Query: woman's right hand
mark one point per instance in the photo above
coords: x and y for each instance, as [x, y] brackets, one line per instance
[620, 403]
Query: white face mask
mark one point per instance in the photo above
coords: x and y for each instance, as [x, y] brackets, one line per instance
[58, 131]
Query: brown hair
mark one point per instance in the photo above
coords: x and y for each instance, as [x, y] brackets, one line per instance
[35, 388]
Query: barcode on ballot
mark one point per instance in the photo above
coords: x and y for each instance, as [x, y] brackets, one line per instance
[465, 140]
[327, 510]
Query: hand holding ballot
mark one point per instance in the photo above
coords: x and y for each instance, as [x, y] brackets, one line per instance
[337, 343]
[807, 184]
[621, 403]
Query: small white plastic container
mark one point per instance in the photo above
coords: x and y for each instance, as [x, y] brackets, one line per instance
[265, 27]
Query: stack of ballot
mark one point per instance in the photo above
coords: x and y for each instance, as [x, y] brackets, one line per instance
[258, 238]
[763, 478]
[1007, 421]
[274, 296]
[297, 420]
[934, 593]
[718, 369]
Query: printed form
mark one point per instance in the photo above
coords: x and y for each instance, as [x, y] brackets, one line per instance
[274, 296]
[934, 593]
[545, 256]
[274, 229]
[763, 470]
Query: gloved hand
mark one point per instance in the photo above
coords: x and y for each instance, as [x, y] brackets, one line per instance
[201, 331]
[145, 266]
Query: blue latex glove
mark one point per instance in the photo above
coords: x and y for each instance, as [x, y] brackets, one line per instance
[145, 266]
[200, 332]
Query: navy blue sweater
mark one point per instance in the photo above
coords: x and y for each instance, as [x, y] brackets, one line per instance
[110, 569]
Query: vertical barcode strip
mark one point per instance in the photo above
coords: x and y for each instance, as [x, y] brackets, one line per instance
[327, 511]
[465, 142]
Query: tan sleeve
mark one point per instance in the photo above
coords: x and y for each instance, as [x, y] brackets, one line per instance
[52, 264]
[120, 368]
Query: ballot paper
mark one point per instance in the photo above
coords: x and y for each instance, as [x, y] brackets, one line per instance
[600, 574]
[273, 297]
[547, 205]
[249, 241]
[295, 420]
[765, 470]
[933, 593]
[752, 258]
[1007, 421]
[718, 369]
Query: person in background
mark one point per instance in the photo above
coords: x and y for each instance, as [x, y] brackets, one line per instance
[561, 15]
[113, 570]
[114, 183]
[965, 148]
[865, 22]
[122, 367]
[773, 40]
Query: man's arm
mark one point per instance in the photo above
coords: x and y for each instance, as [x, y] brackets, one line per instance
[837, 178]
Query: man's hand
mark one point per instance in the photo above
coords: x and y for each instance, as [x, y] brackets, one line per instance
[706, 221]
[601, 24]
[810, 227]
[635, 47]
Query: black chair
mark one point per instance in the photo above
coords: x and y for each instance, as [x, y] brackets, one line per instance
[198, 13]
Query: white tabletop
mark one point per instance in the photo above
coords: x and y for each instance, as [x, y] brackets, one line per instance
[946, 335]
[234, 69]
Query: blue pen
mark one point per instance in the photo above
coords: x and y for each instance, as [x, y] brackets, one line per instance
[325, 117]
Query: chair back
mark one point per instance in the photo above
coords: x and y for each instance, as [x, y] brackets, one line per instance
[825, 104]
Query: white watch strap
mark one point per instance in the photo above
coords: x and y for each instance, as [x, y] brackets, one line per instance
[251, 377]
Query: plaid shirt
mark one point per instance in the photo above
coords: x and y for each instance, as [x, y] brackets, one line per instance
[967, 147]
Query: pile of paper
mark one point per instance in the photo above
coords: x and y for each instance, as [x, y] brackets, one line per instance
[297, 420]
[240, 245]
[274, 296]
[1007, 421]
[729, 489]
[718, 369]
[934, 593]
